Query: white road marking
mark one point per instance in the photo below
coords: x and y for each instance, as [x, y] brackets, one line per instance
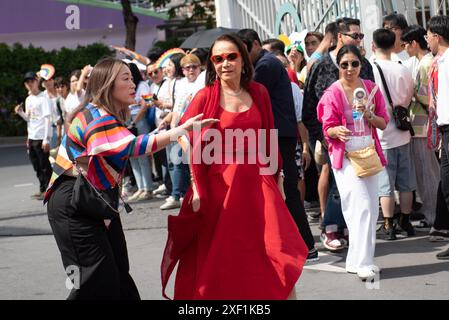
[23, 185]
[325, 264]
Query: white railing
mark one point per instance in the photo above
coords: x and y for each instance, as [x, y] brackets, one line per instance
[262, 15]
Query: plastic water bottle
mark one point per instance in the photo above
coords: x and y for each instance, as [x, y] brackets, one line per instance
[359, 123]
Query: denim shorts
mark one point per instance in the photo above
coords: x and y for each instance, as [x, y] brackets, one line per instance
[399, 174]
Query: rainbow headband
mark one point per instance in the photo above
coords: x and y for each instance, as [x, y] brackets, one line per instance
[47, 71]
[163, 60]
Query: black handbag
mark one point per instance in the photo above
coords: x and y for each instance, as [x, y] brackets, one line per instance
[93, 203]
[400, 113]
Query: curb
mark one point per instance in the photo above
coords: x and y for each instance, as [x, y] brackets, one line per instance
[6, 142]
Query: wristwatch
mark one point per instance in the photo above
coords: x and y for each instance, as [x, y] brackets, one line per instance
[371, 116]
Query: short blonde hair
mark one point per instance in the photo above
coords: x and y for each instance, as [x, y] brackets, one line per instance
[190, 58]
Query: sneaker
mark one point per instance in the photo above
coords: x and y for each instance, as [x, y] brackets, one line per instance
[135, 195]
[37, 195]
[312, 256]
[354, 270]
[170, 203]
[438, 235]
[443, 255]
[366, 274]
[160, 190]
[146, 195]
[406, 225]
[423, 225]
[330, 241]
[311, 205]
[388, 229]
[313, 216]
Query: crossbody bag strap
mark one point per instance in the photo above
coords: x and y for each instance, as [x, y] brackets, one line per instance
[98, 193]
[384, 82]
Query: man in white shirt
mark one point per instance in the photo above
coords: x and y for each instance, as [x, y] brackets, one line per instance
[400, 172]
[37, 114]
[438, 40]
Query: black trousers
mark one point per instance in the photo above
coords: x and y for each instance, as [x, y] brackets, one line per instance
[40, 162]
[287, 147]
[97, 256]
[442, 214]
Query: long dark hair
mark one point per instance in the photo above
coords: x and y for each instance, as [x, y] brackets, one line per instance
[247, 69]
[176, 60]
[135, 72]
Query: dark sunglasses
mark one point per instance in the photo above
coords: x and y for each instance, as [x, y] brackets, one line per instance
[153, 73]
[355, 36]
[354, 64]
[191, 67]
[220, 58]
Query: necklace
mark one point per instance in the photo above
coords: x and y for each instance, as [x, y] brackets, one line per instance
[234, 94]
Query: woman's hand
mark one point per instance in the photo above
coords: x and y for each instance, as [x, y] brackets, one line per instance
[163, 125]
[196, 120]
[341, 133]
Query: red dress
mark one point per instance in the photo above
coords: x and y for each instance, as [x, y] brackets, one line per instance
[247, 246]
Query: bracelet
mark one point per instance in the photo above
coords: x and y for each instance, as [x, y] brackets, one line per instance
[371, 116]
[317, 56]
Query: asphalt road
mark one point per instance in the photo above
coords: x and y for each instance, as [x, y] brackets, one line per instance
[31, 268]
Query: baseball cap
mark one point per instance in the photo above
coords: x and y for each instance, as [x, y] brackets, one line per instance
[30, 75]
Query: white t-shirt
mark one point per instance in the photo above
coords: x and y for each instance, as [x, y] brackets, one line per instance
[37, 109]
[443, 90]
[401, 86]
[54, 109]
[185, 92]
[402, 56]
[72, 102]
[298, 100]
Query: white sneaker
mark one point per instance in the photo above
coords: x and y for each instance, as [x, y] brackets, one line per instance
[365, 274]
[170, 203]
[354, 270]
[160, 189]
[136, 195]
[146, 195]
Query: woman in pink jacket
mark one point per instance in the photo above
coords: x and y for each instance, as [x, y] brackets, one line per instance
[338, 110]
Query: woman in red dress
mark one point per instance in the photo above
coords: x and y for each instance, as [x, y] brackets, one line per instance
[234, 237]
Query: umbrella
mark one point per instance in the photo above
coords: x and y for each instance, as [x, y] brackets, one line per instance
[205, 38]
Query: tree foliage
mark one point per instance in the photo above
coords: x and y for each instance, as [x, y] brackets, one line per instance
[16, 60]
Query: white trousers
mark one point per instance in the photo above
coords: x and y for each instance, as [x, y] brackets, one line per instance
[360, 206]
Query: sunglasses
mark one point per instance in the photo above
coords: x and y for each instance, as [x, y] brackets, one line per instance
[355, 36]
[191, 67]
[354, 64]
[220, 58]
[153, 73]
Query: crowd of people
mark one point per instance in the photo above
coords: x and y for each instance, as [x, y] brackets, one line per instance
[354, 133]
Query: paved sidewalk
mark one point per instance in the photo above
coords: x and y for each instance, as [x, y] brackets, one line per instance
[31, 267]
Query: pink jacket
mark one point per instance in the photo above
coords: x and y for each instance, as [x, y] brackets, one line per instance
[330, 114]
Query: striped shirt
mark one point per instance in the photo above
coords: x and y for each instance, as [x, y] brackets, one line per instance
[99, 137]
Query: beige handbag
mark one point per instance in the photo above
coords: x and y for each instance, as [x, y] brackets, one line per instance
[366, 161]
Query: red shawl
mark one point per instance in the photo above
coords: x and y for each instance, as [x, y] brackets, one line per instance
[183, 229]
